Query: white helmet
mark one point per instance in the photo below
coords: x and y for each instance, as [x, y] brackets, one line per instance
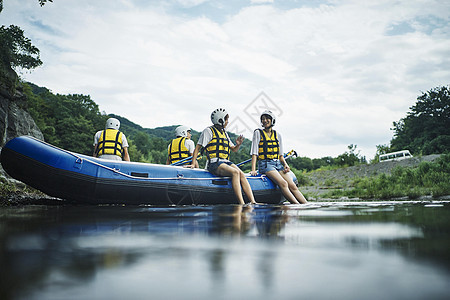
[270, 114]
[218, 116]
[182, 131]
[112, 123]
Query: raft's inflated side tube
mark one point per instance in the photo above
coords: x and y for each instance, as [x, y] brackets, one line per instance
[80, 178]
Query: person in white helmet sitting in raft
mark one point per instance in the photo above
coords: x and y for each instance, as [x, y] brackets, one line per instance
[111, 143]
[181, 147]
[217, 145]
[267, 151]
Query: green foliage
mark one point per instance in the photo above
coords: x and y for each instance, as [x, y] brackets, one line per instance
[143, 142]
[428, 178]
[67, 121]
[302, 178]
[42, 2]
[381, 149]
[348, 158]
[6, 188]
[426, 128]
[16, 50]
[243, 153]
[157, 157]
[326, 161]
[302, 163]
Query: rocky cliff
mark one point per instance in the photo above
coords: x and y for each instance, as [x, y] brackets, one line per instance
[14, 119]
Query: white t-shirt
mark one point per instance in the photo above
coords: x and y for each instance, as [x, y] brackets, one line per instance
[189, 144]
[254, 150]
[99, 134]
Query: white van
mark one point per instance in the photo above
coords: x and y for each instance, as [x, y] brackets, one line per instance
[395, 155]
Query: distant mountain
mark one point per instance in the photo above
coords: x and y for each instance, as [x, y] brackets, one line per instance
[165, 132]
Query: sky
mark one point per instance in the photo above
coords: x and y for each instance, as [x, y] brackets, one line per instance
[334, 73]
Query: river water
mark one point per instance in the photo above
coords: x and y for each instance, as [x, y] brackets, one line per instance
[327, 250]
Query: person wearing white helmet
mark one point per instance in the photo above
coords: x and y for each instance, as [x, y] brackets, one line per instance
[111, 143]
[182, 146]
[217, 145]
[267, 153]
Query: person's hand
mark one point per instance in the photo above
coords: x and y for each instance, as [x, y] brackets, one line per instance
[286, 169]
[192, 166]
[253, 173]
[239, 140]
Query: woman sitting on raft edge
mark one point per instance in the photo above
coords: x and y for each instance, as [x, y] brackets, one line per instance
[267, 151]
[217, 145]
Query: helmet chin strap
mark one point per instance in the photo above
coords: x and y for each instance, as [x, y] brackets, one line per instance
[220, 126]
[271, 125]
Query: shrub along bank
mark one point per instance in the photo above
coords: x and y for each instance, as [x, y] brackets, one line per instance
[425, 179]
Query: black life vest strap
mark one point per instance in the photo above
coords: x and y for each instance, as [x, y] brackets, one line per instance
[178, 154]
[219, 141]
[102, 144]
[265, 144]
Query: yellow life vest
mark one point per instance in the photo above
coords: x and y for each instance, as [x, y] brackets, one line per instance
[177, 150]
[269, 146]
[110, 142]
[219, 146]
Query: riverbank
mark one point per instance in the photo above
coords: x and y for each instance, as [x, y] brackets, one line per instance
[425, 177]
[14, 193]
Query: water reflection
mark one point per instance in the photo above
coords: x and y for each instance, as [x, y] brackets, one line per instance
[68, 252]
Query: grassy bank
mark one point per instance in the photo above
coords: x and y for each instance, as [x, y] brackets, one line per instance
[425, 179]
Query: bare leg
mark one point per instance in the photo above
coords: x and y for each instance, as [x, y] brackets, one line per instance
[293, 188]
[226, 170]
[245, 185]
[283, 184]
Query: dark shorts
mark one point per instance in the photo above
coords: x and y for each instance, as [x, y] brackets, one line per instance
[212, 167]
[269, 165]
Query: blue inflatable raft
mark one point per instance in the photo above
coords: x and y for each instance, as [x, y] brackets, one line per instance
[85, 179]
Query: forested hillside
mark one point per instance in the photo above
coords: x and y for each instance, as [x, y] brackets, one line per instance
[70, 122]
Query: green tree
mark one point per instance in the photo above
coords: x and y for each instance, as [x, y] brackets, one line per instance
[16, 51]
[302, 163]
[350, 157]
[158, 144]
[426, 128]
[135, 154]
[67, 121]
[41, 3]
[157, 157]
[143, 142]
[381, 149]
[322, 162]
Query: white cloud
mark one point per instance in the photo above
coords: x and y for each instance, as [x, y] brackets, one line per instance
[342, 72]
[261, 1]
[191, 3]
